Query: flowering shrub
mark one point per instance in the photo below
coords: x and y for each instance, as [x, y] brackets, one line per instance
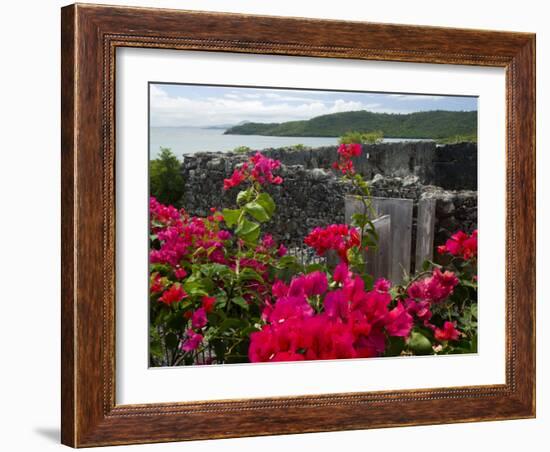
[443, 302]
[317, 318]
[222, 291]
[209, 276]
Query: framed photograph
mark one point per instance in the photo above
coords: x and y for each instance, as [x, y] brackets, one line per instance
[281, 225]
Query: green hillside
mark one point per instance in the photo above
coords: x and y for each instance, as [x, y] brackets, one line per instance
[426, 124]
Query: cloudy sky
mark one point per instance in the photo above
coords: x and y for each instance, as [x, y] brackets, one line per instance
[198, 106]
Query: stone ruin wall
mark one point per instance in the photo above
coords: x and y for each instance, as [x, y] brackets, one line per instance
[313, 195]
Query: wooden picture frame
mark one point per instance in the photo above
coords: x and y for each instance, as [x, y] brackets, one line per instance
[90, 36]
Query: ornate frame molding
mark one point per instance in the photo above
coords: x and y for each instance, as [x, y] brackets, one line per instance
[90, 37]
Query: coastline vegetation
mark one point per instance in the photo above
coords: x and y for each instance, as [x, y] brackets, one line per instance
[374, 137]
[437, 124]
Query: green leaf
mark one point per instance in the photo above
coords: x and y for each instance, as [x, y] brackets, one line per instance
[194, 288]
[231, 216]
[359, 220]
[155, 350]
[287, 260]
[257, 211]
[171, 340]
[395, 346]
[468, 283]
[266, 202]
[240, 301]
[177, 322]
[370, 242]
[231, 323]
[215, 269]
[243, 197]
[369, 281]
[473, 344]
[420, 344]
[314, 268]
[248, 230]
[250, 274]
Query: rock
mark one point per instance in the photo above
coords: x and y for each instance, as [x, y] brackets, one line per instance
[410, 180]
[318, 174]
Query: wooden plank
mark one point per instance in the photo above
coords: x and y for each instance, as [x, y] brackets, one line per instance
[378, 261]
[425, 223]
[400, 210]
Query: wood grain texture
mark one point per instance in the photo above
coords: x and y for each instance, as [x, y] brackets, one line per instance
[90, 36]
[425, 222]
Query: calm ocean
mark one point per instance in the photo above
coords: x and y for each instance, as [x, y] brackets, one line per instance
[183, 140]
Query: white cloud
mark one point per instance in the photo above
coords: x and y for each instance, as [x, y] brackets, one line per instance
[232, 108]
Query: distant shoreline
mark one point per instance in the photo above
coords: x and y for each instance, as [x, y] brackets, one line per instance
[285, 136]
[434, 124]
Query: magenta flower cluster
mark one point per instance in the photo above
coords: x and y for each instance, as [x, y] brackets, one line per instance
[258, 169]
[310, 321]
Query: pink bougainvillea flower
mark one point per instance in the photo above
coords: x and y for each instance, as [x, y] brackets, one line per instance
[296, 287]
[235, 180]
[279, 289]
[199, 320]
[455, 243]
[267, 241]
[174, 294]
[345, 153]
[382, 285]
[336, 305]
[290, 308]
[460, 244]
[282, 250]
[350, 150]
[224, 235]
[180, 273]
[315, 283]
[208, 303]
[420, 309]
[470, 246]
[447, 333]
[341, 272]
[435, 288]
[263, 167]
[337, 237]
[399, 321]
[192, 341]
[258, 169]
[156, 284]
[160, 213]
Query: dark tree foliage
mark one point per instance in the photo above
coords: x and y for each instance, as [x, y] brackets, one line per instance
[437, 124]
[165, 179]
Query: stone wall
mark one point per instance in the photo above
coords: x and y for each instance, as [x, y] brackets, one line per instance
[313, 195]
[308, 198]
[453, 167]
